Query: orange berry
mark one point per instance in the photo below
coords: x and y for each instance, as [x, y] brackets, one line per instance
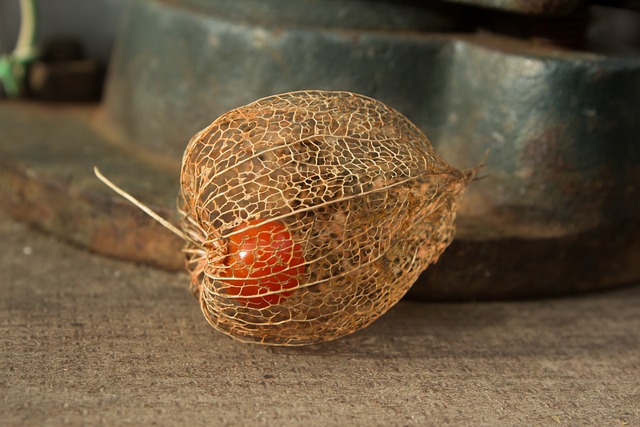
[261, 258]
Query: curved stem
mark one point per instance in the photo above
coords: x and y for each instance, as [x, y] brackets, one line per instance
[25, 46]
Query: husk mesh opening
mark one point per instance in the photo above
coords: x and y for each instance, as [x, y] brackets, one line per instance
[359, 189]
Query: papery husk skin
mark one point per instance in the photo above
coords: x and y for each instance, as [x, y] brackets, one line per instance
[358, 186]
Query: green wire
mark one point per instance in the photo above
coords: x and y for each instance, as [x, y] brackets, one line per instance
[13, 67]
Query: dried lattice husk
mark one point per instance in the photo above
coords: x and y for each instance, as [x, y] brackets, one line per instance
[359, 187]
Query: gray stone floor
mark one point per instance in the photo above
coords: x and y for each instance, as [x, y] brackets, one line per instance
[88, 340]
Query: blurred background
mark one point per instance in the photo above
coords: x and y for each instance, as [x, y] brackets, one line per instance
[545, 93]
[94, 22]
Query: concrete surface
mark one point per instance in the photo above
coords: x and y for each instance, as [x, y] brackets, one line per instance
[88, 340]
